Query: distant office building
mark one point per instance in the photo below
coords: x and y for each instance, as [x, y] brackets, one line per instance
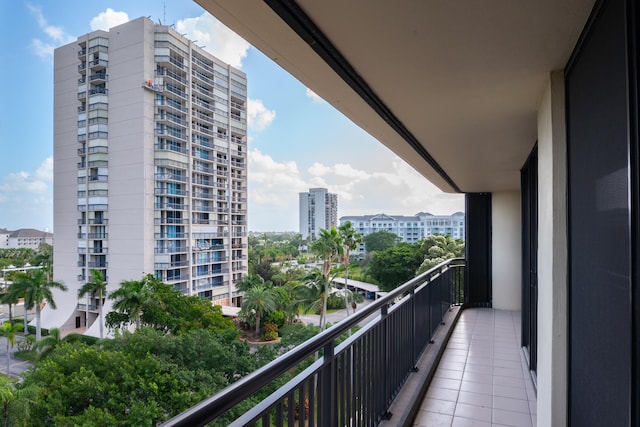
[24, 238]
[409, 228]
[150, 153]
[318, 210]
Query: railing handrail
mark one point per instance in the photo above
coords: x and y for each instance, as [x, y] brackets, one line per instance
[217, 404]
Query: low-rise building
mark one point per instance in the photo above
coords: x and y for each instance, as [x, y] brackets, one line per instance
[409, 228]
[24, 238]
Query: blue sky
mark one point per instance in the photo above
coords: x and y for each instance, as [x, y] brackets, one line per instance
[296, 140]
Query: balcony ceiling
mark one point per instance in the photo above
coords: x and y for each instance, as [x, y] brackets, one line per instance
[463, 78]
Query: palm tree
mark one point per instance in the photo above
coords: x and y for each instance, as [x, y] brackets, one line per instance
[37, 289]
[17, 290]
[48, 343]
[16, 403]
[262, 300]
[9, 330]
[132, 297]
[350, 241]
[8, 299]
[312, 295]
[249, 281]
[328, 246]
[98, 285]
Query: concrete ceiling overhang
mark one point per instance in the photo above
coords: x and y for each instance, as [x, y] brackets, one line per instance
[459, 82]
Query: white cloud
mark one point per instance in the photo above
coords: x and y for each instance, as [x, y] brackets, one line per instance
[42, 49]
[45, 170]
[339, 169]
[258, 116]
[396, 190]
[215, 37]
[57, 36]
[271, 181]
[26, 198]
[29, 182]
[314, 96]
[107, 19]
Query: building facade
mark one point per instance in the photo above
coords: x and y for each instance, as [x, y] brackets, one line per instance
[409, 228]
[318, 210]
[532, 113]
[24, 238]
[150, 142]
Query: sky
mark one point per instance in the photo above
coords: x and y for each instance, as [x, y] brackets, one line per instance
[296, 140]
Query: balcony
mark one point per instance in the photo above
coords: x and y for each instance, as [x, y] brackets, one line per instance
[97, 64]
[98, 91]
[97, 77]
[171, 250]
[356, 381]
[98, 221]
[482, 377]
[98, 250]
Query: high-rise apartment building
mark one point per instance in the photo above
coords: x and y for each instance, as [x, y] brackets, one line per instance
[150, 146]
[318, 209]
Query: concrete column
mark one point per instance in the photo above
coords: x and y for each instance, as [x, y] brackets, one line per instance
[552, 255]
[506, 250]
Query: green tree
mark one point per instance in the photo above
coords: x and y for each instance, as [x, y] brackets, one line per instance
[177, 313]
[16, 404]
[260, 300]
[350, 240]
[8, 330]
[130, 301]
[97, 285]
[328, 247]
[47, 344]
[16, 291]
[394, 266]
[10, 300]
[37, 289]
[249, 281]
[137, 379]
[380, 241]
[437, 249]
[155, 304]
[44, 257]
[264, 270]
[313, 295]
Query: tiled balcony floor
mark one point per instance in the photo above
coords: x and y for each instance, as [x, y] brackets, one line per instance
[482, 378]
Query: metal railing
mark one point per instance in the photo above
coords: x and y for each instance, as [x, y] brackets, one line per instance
[354, 382]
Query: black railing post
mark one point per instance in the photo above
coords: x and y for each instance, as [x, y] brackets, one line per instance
[412, 310]
[327, 411]
[385, 364]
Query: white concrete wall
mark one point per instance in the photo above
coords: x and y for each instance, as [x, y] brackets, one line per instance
[552, 256]
[131, 152]
[506, 251]
[65, 189]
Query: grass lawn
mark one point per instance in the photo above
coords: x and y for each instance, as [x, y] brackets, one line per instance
[29, 355]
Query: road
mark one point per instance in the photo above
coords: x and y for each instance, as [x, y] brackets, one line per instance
[336, 316]
[17, 366]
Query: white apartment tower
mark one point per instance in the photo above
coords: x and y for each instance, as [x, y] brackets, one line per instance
[150, 147]
[318, 209]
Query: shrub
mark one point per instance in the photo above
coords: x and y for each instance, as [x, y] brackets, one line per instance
[88, 340]
[335, 302]
[269, 331]
[276, 317]
[269, 336]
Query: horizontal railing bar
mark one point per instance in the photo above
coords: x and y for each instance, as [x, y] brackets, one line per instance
[282, 392]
